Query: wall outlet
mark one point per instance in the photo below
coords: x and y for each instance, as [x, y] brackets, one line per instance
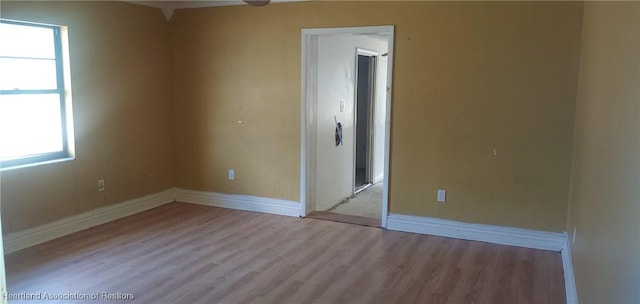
[232, 174]
[573, 241]
[101, 185]
[442, 195]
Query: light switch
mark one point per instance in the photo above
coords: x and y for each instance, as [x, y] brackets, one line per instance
[341, 105]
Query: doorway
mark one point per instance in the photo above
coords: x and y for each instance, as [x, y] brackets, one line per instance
[334, 171]
[365, 90]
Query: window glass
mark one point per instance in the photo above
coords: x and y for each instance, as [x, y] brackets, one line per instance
[26, 41]
[29, 124]
[27, 74]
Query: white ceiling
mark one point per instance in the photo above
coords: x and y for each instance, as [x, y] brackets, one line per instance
[169, 6]
[173, 5]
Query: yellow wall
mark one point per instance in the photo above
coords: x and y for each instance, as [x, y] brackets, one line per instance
[237, 64]
[605, 195]
[121, 99]
[468, 78]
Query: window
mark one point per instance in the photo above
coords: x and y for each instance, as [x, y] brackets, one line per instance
[35, 106]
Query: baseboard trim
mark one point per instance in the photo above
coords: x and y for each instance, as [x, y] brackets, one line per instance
[239, 202]
[478, 232]
[26, 238]
[423, 225]
[569, 278]
[493, 234]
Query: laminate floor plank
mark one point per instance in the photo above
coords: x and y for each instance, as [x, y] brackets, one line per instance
[185, 253]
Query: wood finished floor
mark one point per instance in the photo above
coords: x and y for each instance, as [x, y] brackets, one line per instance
[184, 253]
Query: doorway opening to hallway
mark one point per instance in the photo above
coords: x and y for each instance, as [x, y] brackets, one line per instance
[346, 109]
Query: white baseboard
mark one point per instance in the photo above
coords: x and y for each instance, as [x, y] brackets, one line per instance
[240, 202]
[493, 234]
[423, 225]
[478, 232]
[569, 278]
[19, 240]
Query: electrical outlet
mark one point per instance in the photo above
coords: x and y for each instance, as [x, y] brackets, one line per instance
[232, 174]
[442, 195]
[101, 185]
[574, 235]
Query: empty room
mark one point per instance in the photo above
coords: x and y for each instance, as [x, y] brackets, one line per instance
[320, 152]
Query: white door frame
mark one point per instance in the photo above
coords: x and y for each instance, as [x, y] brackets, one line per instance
[309, 105]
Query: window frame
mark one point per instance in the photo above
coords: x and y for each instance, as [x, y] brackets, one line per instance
[61, 89]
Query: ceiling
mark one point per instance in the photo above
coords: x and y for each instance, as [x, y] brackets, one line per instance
[169, 6]
[173, 5]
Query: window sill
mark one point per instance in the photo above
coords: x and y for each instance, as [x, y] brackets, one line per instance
[46, 162]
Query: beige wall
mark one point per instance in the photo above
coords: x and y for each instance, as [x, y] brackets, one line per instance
[605, 194]
[469, 78]
[121, 99]
[236, 83]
